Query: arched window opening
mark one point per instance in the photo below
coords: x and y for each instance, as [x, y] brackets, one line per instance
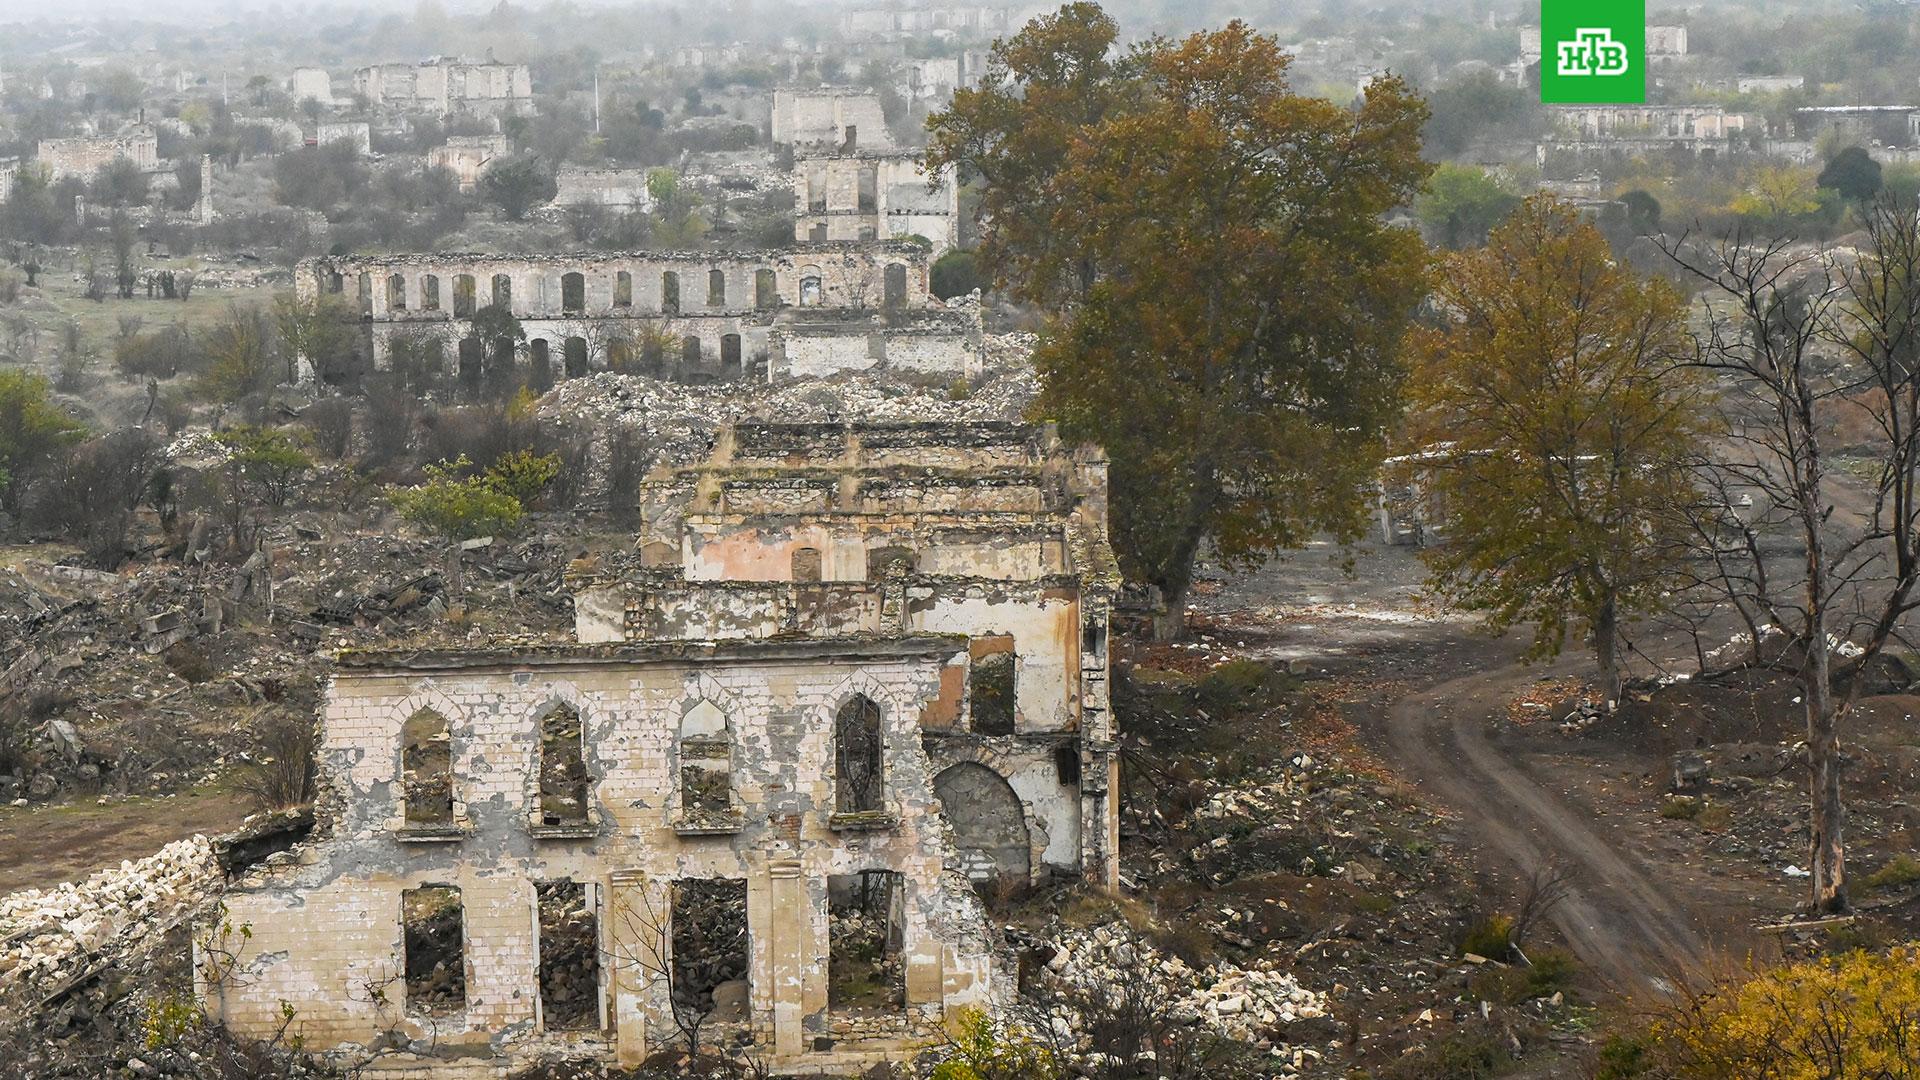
[573, 293]
[811, 294]
[426, 770]
[576, 356]
[716, 288]
[463, 296]
[706, 764]
[766, 289]
[396, 292]
[670, 293]
[730, 355]
[857, 741]
[563, 768]
[503, 292]
[430, 293]
[623, 289]
[990, 685]
[540, 364]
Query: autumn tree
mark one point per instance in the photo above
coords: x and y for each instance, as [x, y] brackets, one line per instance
[239, 355]
[1227, 304]
[1563, 422]
[1811, 342]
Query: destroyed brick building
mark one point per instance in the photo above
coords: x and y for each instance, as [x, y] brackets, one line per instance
[448, 85]
[852, 674]
[687, 316]
[83, 156]
[851, 195]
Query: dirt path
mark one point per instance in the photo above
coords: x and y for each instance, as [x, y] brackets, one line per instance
[45, 846]
[1623, 925]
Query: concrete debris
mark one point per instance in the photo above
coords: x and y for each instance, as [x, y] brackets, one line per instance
[55, 936]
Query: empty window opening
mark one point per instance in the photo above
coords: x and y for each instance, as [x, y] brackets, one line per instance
[463, 293]
[653, 356]
[623, 289]
[573, 292]
[670, 293]
[1066, 765]
[856, 752]
[706, 764]
[895, 286]
[426, 769]
[396, 292]
[709, 948]
[563, 772]
[890, 561]
[730, 355]
[816, 190]
[436, 358]
[540, 363]
[619, 354]
[852, 141]
[432, 923]
[503, 292]
[575, 350]
[472, 354]
[806, 564]
[990, 685]
[869, 189]
[336, 282]
[815, 235]
[766, 289]
[430, 293]
[690, 352]
[810, 294]
[366, 294]
[716, 288]
[866, 964]
[569, 956]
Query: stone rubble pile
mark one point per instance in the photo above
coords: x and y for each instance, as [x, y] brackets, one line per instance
[1252, 1005]
[53, 934]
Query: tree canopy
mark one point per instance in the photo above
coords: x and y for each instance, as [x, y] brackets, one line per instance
[1212, 248]
[1555, 403]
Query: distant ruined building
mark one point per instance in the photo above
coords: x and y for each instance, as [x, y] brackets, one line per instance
[684, 316]
[852, 676]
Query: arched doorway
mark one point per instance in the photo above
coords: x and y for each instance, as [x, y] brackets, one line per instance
[989, 824]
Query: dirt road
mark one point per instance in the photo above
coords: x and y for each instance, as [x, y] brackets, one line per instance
[1623, 925]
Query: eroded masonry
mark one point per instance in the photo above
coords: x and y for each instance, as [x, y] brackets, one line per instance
[684, 316]
[851, 679]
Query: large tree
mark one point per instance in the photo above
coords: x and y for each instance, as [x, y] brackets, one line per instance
[1227, 303]
[1562, 423]
[32, 430]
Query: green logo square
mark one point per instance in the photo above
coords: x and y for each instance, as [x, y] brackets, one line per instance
[1593, 52]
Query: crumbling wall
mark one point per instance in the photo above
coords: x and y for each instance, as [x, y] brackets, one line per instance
[326, 936]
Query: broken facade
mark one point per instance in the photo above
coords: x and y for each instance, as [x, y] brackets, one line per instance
[83, 156]
[829, 120]
[447, 85]
[467, 156]
[687, 316]
[852, 670]
[873, 196]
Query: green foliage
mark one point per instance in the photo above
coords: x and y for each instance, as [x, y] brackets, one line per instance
[1680, 808]
[677, 221]
[267, 460]
[1622, 1057]
[456, 507]
[955, 274]
[32, 430]
[168, 1018]
[516, 184]
[1899, 872]
[1853, 173]
[239, 356]
[1643, 211]
[1461, 204]
[978, 1048]
[1256, 313]
[320, 329]
[523, 475]
[1461, 1055]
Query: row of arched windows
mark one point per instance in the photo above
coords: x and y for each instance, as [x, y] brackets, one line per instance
[573, 291]
[704, 745]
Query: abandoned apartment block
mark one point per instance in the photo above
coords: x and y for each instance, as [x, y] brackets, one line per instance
[851, 682]
[688, 317]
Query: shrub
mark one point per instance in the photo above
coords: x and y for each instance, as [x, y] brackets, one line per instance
[282, 771]
[1237, 685]
[1899, 872]
[1680, 808]
[190, 662]
[980, 1049]
[1463, 1055]
[1842, 1017]
[1491, 937]
[329, 424]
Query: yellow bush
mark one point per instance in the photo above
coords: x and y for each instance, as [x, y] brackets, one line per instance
[1853, 1017]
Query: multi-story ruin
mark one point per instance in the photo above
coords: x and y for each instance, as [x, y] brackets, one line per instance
[873, 196]
[687, 316]
[830, 119]
[853, 675]
[82, 156]
[446, 85]
[467, 156]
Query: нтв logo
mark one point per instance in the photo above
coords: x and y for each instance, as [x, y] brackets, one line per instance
[1592, 52]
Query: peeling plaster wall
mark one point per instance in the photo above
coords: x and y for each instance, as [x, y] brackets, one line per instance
[325, 934]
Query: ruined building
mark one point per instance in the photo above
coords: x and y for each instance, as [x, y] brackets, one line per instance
[467, 156]
[82, 156]
[829, 119]
[853, 675]
[687, 316]
[448, 85]
[850, 195]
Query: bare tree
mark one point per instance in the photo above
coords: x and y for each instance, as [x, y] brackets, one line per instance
[1812, 339]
